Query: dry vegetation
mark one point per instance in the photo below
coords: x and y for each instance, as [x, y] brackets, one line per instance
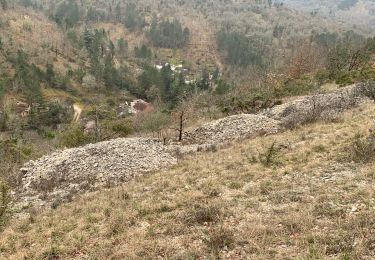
[39, 37]
[307, 202]
[291, 195]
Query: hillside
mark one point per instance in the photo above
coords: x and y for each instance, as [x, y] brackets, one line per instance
[62, 175]
[186, 129]
[308, 201]
[359, 13]
[211, 60]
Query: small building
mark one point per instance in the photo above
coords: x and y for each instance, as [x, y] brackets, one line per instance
[140, 106]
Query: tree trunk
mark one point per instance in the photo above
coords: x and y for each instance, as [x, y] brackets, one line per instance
[181, 128]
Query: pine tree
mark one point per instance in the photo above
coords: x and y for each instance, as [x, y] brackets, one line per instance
[50, 75]
[87, 38]
[110, 74]
[118, 12]
[204, 83]
[122, 45]
[112, 49]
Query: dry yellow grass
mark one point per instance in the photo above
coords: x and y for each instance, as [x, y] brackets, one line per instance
[24, 29]
[118, 31]
[308, 203]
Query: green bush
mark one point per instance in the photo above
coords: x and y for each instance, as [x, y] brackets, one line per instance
[55, 115]
[346, 78]
[222, 87]
[13, 153]
[74, 137]
[298, 87]
[249, 101]
[271, 156]
[122, 128]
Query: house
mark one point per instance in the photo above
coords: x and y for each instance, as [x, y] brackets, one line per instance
[139, 106]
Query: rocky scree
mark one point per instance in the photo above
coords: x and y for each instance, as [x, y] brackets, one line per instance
[232, 128]
[317, 107]
[59, 176]
[270, 121]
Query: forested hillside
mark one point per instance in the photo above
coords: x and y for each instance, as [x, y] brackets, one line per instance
[355, 12]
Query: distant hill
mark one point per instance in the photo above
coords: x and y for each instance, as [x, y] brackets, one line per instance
[356, 12]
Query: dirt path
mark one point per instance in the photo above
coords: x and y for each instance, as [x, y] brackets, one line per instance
[77, 113]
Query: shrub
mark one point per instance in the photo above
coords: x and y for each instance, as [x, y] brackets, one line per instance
[3, 120]
[56, 114]
[156, 123]
[300, 86]
[122, 128]
[74, 137]
[247, 100]
[4, 203]
[362, 148]
[219, 238]
[270, 156]
[203, 214]
[13, 153]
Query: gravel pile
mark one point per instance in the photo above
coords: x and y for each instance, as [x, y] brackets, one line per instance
[59, 176]
[316, 107]
[232, 128]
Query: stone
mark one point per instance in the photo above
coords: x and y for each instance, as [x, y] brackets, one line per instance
[59, 175]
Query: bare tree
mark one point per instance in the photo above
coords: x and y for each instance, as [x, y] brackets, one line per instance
[181, 114]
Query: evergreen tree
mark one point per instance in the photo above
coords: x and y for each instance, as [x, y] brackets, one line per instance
[50, 75]
[112, 49]
[110, 74]
[240, 50]
[148, 79]
[204, 83]
[132, 18]
[122, 45]
[87, 38]
[118, 12]
[222, 87]
[167, 78]
[143, 52]
[168, 34]
[27, 78]
[67, 14]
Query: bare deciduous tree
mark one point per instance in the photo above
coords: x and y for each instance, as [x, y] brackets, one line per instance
[181, 114]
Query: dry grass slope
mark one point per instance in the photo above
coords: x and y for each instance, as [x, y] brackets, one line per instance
[306, 202]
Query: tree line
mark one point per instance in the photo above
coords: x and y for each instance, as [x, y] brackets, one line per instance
[240, 50]
[168, 34]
